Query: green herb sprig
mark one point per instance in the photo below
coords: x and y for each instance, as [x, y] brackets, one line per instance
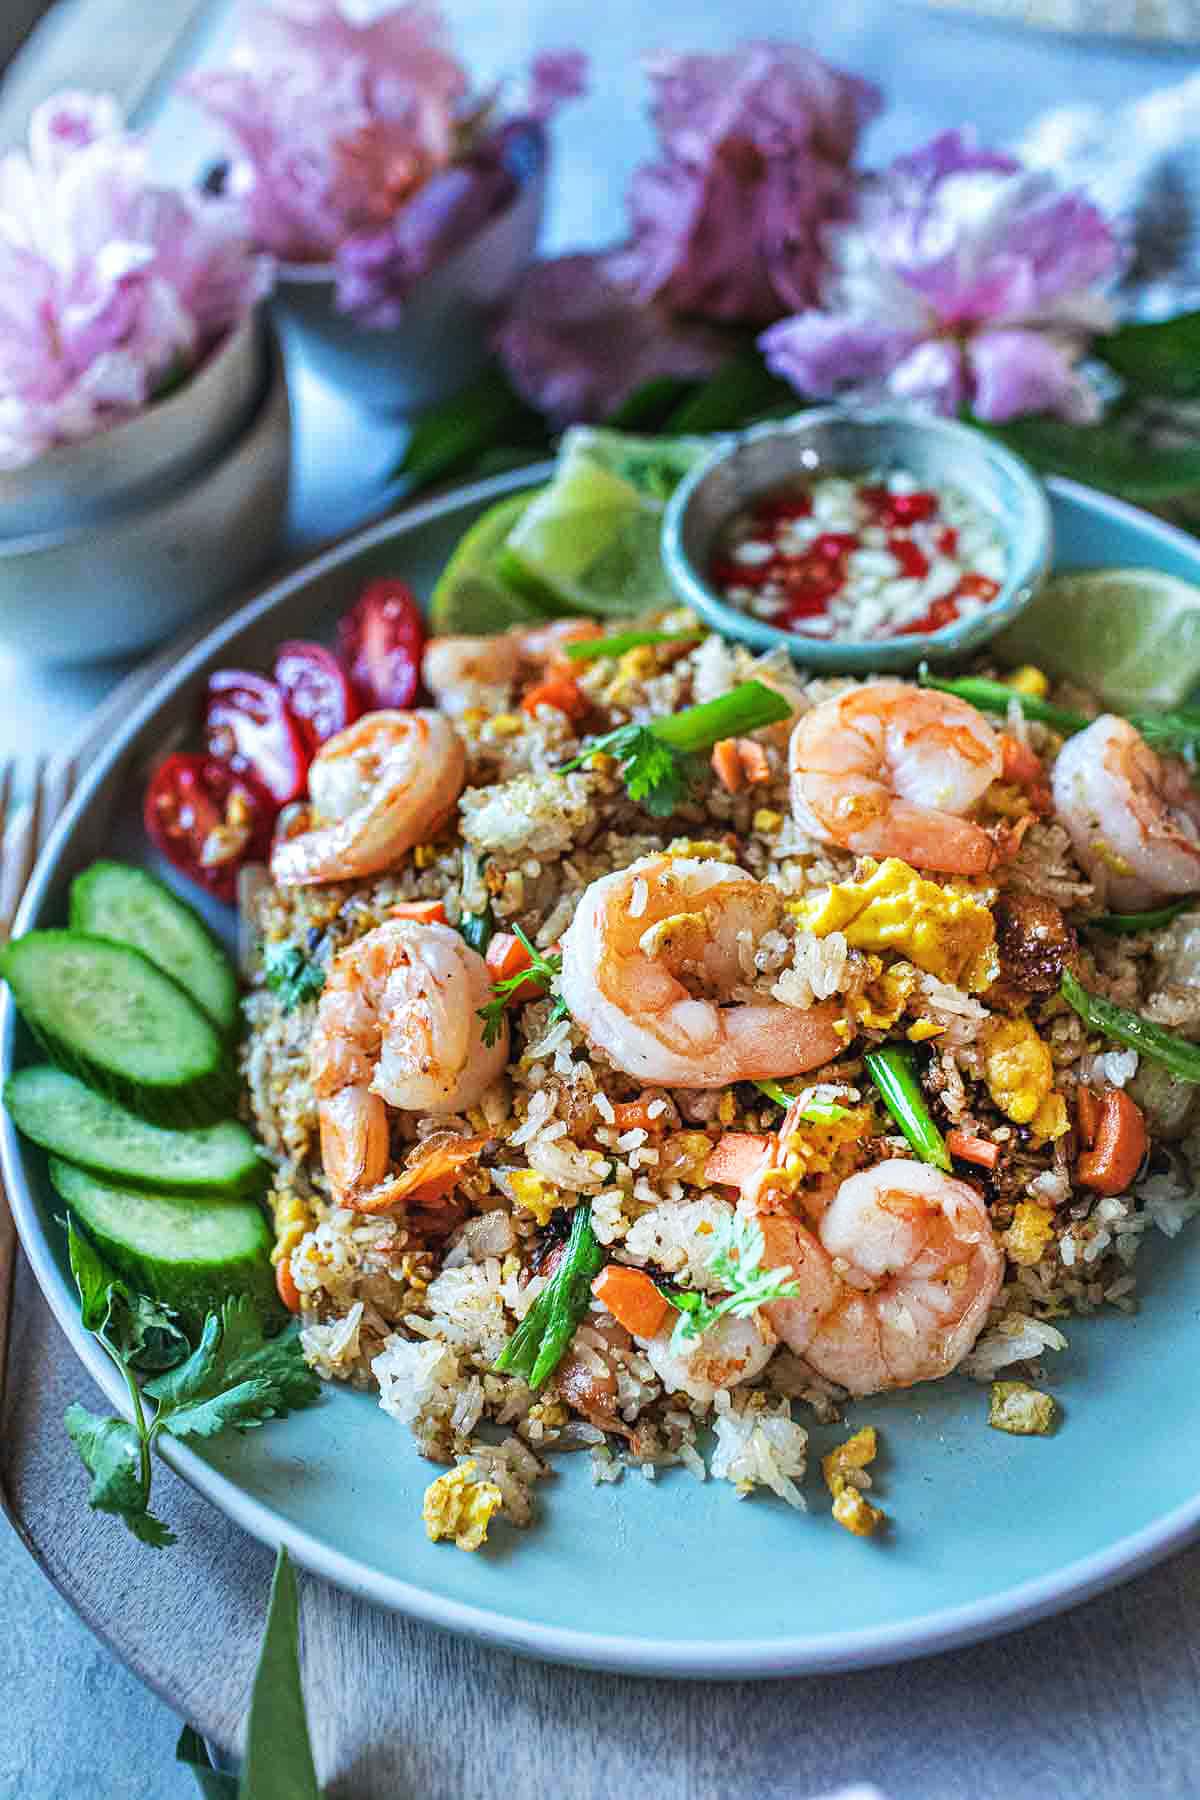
[234, 1376]
[478, 929]
[736, 1261]
[291, 974]
[540, 1341]
[544, 969]
[1178, 731]
[894, 1073]
[1129, 1028]
[1120, 923]
[660, 762]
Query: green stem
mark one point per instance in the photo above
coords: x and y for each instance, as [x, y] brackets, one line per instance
[894, 1073]
[997, 697]
[589, 649]
[744, 709]
[543, 1337]
[1129, 1028]
[1146, 921]
[145, 1433]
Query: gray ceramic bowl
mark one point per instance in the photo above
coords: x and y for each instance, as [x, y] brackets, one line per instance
[133, 577]
[441, 345]
[839, 441]
[146, 456]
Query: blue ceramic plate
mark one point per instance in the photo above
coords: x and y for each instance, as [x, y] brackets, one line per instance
[671, 1577]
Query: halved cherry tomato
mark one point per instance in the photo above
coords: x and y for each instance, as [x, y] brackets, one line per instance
[317, 689]
[247, 725]
[380, 643]
[208, 820]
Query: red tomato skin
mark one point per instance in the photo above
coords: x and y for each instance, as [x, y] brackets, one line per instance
[203, 787]
[380, 642]
[319, 693]
[247, 725]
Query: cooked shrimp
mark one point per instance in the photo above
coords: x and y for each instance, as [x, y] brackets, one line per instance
[896, 1277]
[397, 1026]
[1133, 816]
[888, 769]
[466, 672]
[634, 936]
[376, 789]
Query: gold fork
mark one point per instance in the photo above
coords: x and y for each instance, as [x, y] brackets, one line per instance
[23, 835]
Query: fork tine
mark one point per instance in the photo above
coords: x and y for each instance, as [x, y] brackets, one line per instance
[57, 786]
[19, 845]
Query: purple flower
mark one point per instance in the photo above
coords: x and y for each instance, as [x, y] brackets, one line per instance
[964, 279]
[108, 284]
[337, 122]
[756, 147]
[575, 344]
[555, 77]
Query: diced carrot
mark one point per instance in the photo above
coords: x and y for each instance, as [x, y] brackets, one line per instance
[634, 1115]
[425, 912]
[632, 1299]
[285, 1284]
[431, 1178]
[560, 691]
[507, 956]
[1087, 1114]
[1111, 1164]
[736, 1158]
[973, 1149]
[727, 765]
[753, 758]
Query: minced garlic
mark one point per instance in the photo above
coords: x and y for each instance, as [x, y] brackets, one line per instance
[458, 1506]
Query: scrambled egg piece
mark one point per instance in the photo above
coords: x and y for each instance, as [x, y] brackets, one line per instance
[815, 1147]
[845, 1476]
[703, 849]
[1031, 681]
[886, 994]
[1030, 1234]
[457, 1505]
[946, 931]
[293, 1221]
[683, 937]
[535, 1194]
[1020, 1076]
[1022, 1410]
[684, 1156]
[767, 819]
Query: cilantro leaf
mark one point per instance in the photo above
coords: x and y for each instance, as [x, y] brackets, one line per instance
[235, 1376]
[543, 969]
[139, 1330]
[113, 1454]
[291, 974]
[736, 1261]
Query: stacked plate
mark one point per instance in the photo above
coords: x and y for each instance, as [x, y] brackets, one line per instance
[109, 545]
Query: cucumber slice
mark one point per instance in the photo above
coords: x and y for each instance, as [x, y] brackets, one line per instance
[191, 1254]
[105, 1012]
[61, 1114]
[131, 906]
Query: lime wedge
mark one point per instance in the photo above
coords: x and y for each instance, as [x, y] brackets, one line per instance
[471, 597]
[1130, 635]
[592, 537]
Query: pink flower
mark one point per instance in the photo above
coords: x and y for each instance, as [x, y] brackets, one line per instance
[575, 344]
[756, 148]
[337, 122]
[107, 283]
[964, 279]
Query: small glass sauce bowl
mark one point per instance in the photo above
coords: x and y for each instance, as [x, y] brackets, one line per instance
[832, 441]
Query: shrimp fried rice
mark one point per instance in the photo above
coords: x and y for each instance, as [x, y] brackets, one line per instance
[695, 1070]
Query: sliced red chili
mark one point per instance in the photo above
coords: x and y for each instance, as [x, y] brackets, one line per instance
[247, 724]
[318, 691]
[779, 509]
[978, 587]
[912, 559]
[942, 612]
[208, 820]
[380, 642]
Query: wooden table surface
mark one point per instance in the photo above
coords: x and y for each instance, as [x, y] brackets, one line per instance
[1102, 1702]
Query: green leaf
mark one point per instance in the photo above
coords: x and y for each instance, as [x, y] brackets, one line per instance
[146, 1332]
[451, 437]
[741, 389]
[650, 406]
[192, 1751]
[235, 1376]
[1161, 359]
[111, 1451]
[93, 1278]
[540, 1341]
[1107, 455]
[291, 974]
[735, 1259]
[278, 1763]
